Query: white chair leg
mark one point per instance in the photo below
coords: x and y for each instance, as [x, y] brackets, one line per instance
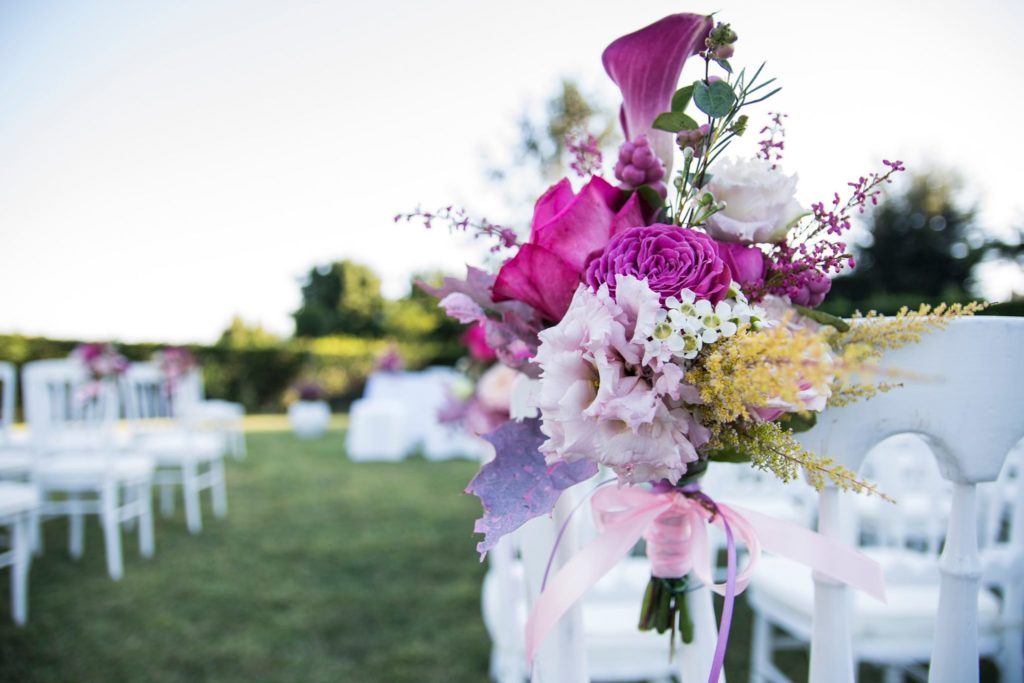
[19, 572]
[131, 498]
[1011, 656]
[190, 487]
[761, 648]
[695, 659]
[76, 527]
[219, 490]
[166, 500]
[238, 444]
[36, 527]
[111, 531]
[145, 498]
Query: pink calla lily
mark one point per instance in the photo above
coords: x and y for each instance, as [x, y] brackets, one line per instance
[646, 66]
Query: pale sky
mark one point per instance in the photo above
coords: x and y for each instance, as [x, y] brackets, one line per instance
[166, 165]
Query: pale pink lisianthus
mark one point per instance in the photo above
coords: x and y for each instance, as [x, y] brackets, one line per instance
[594, 401]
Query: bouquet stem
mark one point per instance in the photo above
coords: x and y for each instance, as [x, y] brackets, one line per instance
[664, 607]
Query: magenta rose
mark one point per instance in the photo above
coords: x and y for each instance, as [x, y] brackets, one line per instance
[746, 263]
[566, 229]
[475, 339]
[669, 257]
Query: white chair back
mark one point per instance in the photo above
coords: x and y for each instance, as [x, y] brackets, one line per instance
[963, 391]
[188, 392]
[8, 391]
[66, 409]
[145, 393]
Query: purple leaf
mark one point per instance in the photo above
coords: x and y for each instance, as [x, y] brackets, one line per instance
[461, 307]
[518, 485]
[476, 285]
[646, 65]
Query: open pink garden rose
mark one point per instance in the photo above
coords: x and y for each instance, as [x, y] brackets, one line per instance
[566, 228]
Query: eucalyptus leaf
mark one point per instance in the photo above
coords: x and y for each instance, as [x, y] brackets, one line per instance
[724, 63]
[650, 196]
[681, 99]
[823, 318]
[715, 100]
[673, 122]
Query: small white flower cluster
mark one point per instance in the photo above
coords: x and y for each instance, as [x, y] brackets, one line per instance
[688, 324]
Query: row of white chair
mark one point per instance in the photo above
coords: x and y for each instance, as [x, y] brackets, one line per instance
[76, 461]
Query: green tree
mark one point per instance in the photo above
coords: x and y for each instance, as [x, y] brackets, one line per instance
[416, 316]
[540, 153]
[340, 298]
[242, 335]
[921, 244]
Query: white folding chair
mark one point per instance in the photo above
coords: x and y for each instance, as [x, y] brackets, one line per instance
[17, 503]
[226, 418]
[377, 430]
[963, 391]
[73, 421]
[15, 458]
[184, 456]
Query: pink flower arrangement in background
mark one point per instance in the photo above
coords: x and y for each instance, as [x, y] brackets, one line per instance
[175, 362]
[103, 361]
[391, 359]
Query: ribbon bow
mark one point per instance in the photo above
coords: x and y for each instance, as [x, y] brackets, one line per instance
[674, 521]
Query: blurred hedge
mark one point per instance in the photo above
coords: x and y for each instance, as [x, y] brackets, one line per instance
[260, 377]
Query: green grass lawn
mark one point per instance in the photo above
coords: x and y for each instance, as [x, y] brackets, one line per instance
[324, 570]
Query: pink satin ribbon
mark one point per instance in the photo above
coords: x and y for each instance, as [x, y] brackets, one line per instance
[625, 515]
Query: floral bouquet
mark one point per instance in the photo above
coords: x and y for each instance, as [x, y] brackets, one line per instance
[667, 321]
[309, 390]
[175, 362]
[390, 360]
[102, 362]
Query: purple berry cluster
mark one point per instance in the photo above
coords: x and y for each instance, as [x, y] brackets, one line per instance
[639, 165]
[694, 139]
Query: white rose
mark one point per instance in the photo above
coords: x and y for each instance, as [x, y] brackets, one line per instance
[759, 202]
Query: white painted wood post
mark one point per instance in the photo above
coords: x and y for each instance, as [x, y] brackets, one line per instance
[19, 579]
[955, 647]
[695, 658]
[831, 643]
[562, 658]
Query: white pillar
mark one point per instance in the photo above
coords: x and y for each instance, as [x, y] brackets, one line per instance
[695, 658]
[955, 647]
[562, 658]
[831, 645]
